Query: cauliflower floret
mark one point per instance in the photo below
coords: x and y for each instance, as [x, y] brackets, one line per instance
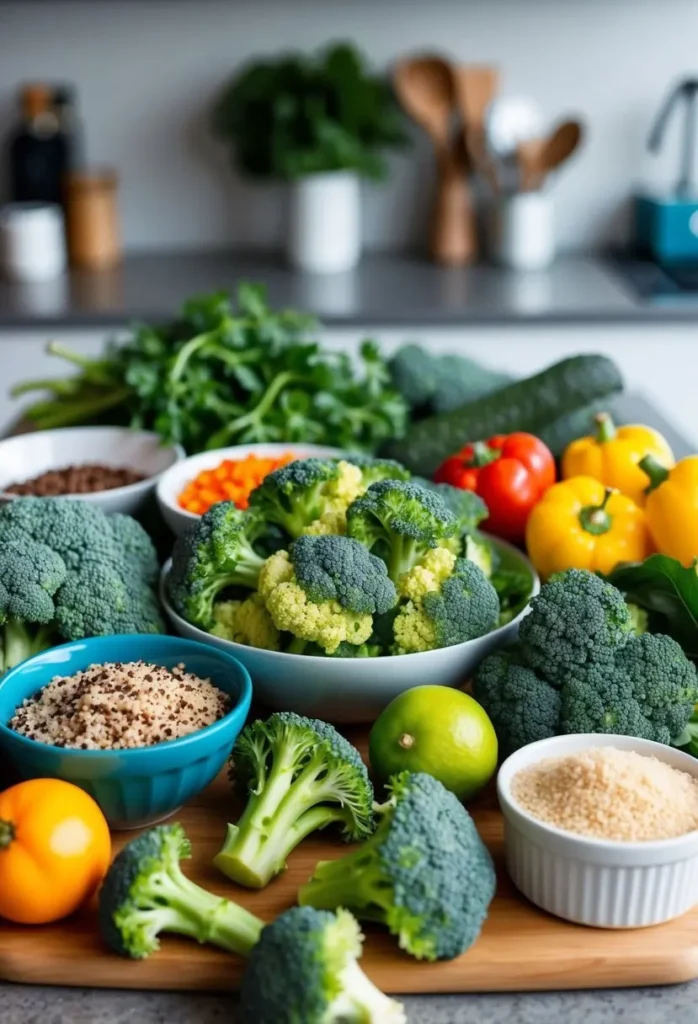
[413, 631]
[326, 624]
[277, 569]
[339, 494]
[246, 622]
[332, 521]
[429, 573]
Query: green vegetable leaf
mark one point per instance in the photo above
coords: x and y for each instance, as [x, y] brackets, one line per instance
[669, 591]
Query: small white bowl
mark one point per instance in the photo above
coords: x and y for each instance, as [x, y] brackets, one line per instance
[603, 883]
[350, 689]
[29, 455]
[172, 483]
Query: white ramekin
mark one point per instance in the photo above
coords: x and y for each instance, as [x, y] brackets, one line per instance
[593, 881]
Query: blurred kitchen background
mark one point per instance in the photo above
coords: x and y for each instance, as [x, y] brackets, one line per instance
[597, 255]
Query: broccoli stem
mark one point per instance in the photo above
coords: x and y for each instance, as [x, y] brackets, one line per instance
[355, 882]
[187, 909]
[360, 1000]
[403, 555]
[276, 820]
[297, 646]
[18, 641]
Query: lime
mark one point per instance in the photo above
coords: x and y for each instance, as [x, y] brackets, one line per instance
[437, 730]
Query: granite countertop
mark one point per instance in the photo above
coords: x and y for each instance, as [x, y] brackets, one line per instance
[71, 1006]
[384, 290]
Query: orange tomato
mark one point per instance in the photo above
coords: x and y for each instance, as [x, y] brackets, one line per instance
[55, 850]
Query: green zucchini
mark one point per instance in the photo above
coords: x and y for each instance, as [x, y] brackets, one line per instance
[531, 405]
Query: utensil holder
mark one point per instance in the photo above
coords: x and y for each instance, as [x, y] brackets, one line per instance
[523, 231]
[92, 220]
[32, 246]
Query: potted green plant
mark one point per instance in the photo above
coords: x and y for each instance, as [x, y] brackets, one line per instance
[321, 123]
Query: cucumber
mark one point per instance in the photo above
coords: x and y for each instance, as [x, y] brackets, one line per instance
[531, 405]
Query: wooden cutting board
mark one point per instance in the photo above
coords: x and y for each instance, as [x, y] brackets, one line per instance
[520, 948]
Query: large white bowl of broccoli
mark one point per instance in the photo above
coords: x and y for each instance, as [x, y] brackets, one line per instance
[345, 583]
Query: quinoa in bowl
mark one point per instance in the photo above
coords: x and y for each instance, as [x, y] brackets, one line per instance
[120, 706]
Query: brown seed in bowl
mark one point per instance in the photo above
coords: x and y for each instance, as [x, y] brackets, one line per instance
[84, 479]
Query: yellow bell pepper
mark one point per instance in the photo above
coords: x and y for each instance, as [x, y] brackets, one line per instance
[612, 456]
[672, 508]
[580, 524]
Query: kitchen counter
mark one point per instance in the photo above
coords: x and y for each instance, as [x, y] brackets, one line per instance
[71, 1006]
[385, 290]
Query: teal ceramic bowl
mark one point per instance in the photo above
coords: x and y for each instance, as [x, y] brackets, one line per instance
[133, 787]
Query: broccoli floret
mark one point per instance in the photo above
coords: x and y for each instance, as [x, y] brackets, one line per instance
[402, 520]
[449, 601]
[346, 650]
[467, 506]
[650, 691]
[575, 621]
[30, 575]
[304, 970]
[218, 552]
[296, 495]
[299, 775]
[139, 554]
[246, 622]
[425, 873]
[522, 707]
[146, 893]
[373, 470]
[97, 601]
[325, 591]
[73, 529]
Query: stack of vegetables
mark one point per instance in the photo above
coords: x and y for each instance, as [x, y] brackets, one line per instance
[346, 558]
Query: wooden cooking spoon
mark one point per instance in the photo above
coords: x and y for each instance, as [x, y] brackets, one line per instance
[475, 88]
[424, 86]
[539, 157]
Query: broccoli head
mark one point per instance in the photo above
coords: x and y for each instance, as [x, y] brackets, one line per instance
[30, 575]
[402, 520]
[325, 590]
[246, 622]
[146, 893]
[97, 601]
[298, 494]
[425, 873]
[299, 775]
[522, 707]
[649, 691]
[304, 970]
[216, 553]
[137, 549]
[448, 600]
[576, 620]
[374, 469]
[75, 530]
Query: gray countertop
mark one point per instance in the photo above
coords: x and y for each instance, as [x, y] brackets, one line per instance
[72, 1006]
[384, 290]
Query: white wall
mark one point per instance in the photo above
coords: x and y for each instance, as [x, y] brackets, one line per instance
[147, 70]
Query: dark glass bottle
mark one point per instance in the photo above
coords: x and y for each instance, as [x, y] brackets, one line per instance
[65, 106]
[37, 149]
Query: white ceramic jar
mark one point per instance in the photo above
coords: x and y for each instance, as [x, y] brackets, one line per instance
[523, 231]
[32, 242]
[324, 223]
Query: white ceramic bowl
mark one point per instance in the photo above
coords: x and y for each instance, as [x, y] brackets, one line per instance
[172, 483]
[607, 884]
[350, 689]
[28, 455]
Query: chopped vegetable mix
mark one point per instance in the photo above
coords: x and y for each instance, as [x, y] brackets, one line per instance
[231, 480]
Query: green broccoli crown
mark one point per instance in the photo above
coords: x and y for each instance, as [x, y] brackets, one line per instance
[576, 620]
[650, 692]
[146, 893]
[401, 518]
[97, 601]
[304, 970]
[425, 873]
[373, 469]
[30, 575]
[73, 529]
[293, 496]
[467, 506]
[299, 775]
[466, 606]
[139, 555]
[336, 568]
[216, 553]
[521, 706]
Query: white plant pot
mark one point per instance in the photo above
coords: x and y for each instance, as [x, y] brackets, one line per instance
[524, 231]
[324, 224]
